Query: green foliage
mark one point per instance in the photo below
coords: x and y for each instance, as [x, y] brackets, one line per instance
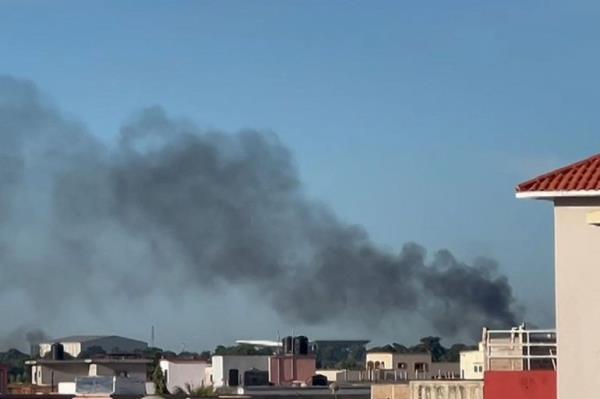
[15, 360]
[159, 380]
[432, 345]
[242, 349]
[334, 355]
[189, 391]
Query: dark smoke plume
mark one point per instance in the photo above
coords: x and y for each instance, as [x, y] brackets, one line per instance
[22, 338]
[204, 209]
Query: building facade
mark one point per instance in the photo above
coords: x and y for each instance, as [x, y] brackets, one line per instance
[183, 374]
[407, 366]
[287, 369]
[575, 193]
[52, 372]
[472, 364]
[229, 370]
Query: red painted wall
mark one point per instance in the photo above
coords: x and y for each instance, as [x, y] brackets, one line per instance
[519, 385]
[284, 369]
[3, 378]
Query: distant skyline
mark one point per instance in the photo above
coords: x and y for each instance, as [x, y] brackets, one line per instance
[414, 120]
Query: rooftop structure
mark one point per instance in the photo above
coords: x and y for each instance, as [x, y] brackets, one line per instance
[76, 344]
[575, 193]
[580, 179]
[49, 372]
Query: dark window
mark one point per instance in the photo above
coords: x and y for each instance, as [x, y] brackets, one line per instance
[234, 377]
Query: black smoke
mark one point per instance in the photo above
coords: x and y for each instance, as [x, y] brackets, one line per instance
[204, 209]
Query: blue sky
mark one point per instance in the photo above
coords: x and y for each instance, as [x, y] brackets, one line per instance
[414, 119]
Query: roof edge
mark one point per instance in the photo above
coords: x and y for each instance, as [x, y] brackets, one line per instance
[556, 194]
[520, 187]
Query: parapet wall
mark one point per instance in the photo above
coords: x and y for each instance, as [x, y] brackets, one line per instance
[520, 385]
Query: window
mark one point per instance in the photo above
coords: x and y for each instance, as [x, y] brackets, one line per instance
[421, 367]
[476, 368]
[402, 366]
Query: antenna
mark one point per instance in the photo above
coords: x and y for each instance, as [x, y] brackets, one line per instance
[152, 337]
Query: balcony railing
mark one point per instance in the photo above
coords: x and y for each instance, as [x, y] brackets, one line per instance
[520, 349]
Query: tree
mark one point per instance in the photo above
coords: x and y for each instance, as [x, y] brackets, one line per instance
[242, 349]
[189, 390]
[159, 380]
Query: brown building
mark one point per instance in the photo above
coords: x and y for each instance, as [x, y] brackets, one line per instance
[285, 369]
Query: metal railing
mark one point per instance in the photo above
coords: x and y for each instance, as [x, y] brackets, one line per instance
[521, 349]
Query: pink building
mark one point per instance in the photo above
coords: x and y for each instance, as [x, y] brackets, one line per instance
[286, 369]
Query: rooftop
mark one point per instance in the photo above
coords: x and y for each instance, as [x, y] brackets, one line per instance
[580, 179]
[89, 361]
[85, 338]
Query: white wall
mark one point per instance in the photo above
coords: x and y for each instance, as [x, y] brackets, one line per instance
[222, 364]
[577, 298]
[472, 365]
[182, 373]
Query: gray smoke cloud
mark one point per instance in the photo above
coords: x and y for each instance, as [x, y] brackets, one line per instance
[22, 338]
[204, 209]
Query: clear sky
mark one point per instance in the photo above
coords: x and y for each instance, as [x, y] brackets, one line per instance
[414, 119]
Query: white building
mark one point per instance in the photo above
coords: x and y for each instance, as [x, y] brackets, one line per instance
[229, 370]
[472, 364]
[76, 344]
[574, 192]
[183, 374]
[47, 372]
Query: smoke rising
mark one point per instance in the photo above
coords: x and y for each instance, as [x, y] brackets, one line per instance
[170, 206]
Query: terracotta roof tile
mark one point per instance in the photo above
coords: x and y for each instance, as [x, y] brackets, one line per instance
[580, 176]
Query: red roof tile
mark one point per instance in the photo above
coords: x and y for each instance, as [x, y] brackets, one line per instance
[580, 176]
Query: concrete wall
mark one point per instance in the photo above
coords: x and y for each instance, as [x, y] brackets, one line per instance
[577, 298]
[390, 391]
[285, 369]
[72, 348]
[472, 365]
[343, 375]
[447, 389]
[52, 375]
[380, 361]
[222, 364]
[182, 373]
[399, 361]
[430, 389]
[522, 385]
[136, 371]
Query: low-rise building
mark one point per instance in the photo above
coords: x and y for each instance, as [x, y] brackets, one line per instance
[183, 374]
[408, 366]
[286, 369]
[231, 370]
[46, 372]
[472, 364]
